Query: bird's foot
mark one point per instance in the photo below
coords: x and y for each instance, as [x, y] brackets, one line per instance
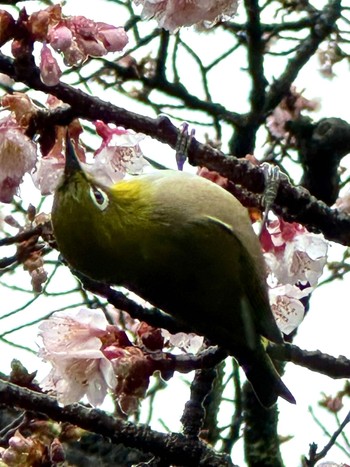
[273, 177]
[182, 144]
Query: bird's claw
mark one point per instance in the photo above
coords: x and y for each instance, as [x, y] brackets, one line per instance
[273, 177]
[182, 144]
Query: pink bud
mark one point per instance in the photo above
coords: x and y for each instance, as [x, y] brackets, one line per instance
[91, 47]
[49, 70]
[114, 39]
[60, 38]
[74, 56]
[7, 27]
[17, 156]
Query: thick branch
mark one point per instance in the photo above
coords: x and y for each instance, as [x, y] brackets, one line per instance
[255, 58]
[313, 360]
[321, 147]
[244, 138]
[173, 448]
[261, 441]
[294, 204]
[194, 412]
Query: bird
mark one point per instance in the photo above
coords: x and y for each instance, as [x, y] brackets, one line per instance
[186, 246]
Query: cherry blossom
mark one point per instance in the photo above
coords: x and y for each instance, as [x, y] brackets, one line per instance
[50, 167]
[118, 154]
[328, 57]
[132, 370]
[48, 173]
[286, 306]
[24, 451]
[60, 37]
[72, 343]
[90, 357]
[333, 404]
[293, 254]
[17, 157]
[76, 37]
[173, 14]
[50, 72]
[213, 176]
[189, 343]
[96, 39]
[21, 107]
[294, 257]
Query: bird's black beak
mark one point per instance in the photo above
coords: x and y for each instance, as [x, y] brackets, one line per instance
[72, 164]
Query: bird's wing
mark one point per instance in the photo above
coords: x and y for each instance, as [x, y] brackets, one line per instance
[255, 292]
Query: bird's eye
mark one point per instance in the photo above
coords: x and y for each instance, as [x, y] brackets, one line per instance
[99, 197]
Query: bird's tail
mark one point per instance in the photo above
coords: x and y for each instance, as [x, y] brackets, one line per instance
[262, 375]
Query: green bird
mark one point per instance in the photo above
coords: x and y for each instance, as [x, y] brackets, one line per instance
[185, 245]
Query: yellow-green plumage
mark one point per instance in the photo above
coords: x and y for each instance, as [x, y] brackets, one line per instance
[185, 245]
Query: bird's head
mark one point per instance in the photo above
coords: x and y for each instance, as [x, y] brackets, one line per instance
[79, 186]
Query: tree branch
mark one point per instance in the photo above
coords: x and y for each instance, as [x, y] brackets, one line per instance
[293, 204]
[323, 26]
[313, 360]
[244, 138]
[174, 448]
[261, 441]
[194, 412]
[317, 456]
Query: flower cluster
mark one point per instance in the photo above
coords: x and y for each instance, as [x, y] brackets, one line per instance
[29, 252]
[39, 443]
[173, 14]
[118, 155]
[90, 357]
[17, 156]
[76, 37]
[72, 343]
[187, 342]
[24, 451]
[295, 260]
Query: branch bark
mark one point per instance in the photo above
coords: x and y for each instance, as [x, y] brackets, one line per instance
[174, 448]
[334, 367]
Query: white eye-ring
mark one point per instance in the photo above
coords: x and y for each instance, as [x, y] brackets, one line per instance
[99, 197]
